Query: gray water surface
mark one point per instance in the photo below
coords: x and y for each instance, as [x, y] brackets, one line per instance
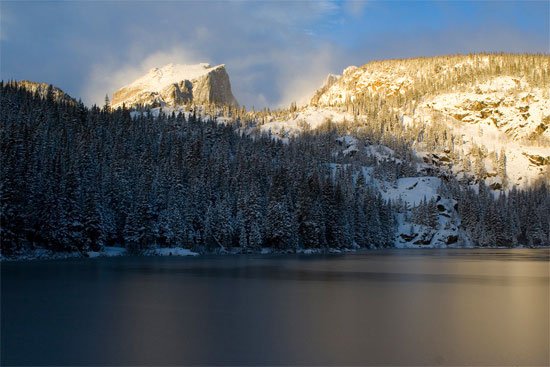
[396, 307]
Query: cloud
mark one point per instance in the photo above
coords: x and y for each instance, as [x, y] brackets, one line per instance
[275, 52]
[266, 47]
[7, 18]
[300, 79]
[107, 78]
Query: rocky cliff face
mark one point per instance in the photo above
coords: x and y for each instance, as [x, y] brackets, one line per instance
[175, 85]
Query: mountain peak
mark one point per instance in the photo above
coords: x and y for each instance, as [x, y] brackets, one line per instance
[177, 84]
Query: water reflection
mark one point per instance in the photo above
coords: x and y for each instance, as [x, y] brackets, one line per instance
[291, 274]
[466, 307]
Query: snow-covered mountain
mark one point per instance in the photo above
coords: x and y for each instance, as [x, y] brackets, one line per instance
[469, 89]
[479, 118]
[490, 103]
[175, 85]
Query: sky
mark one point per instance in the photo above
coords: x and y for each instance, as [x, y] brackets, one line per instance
[275, 52]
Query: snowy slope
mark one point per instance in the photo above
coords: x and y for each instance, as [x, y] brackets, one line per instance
[509, 104]
[413, 191]
[42, 90]
[410, 194]
[304, 119]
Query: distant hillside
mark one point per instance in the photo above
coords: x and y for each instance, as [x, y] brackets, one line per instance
[42, 89]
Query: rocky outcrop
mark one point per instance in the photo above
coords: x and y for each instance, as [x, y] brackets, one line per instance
[329, 82]
[537, 160]
[213, 87]
[176, 85]
[358, 83]
[508, 104]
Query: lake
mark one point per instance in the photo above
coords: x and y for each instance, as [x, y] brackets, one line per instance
[397, 307]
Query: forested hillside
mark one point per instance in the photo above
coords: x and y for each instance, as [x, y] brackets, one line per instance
[76, 179]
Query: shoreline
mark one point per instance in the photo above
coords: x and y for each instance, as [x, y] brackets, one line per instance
[43, 254]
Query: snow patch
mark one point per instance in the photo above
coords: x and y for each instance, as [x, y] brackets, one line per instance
[412, 190]
[307, 118]
[172, 251]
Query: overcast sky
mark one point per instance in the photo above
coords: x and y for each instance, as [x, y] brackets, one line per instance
[275, 52]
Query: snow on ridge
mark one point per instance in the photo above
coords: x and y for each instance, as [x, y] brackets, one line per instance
[177, 84]
[504, 102]
[159, 78]
[307, 118]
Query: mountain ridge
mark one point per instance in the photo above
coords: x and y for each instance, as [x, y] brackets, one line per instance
[43, 89]
[491, 103]
[415, 82]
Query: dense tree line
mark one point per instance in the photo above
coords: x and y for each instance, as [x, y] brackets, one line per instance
[75, 179]
[518, 217]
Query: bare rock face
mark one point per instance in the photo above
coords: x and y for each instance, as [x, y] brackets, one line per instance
[214, 87]
[176, 85]
[537, 160]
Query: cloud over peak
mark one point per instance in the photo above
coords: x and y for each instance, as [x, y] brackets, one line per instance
[275, 52]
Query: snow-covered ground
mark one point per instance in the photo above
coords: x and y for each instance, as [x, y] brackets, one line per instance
[509, 104]
[306, 118]
[500, 115]
[42, 254]
[412, 191]
[171, 251]
[106, 251]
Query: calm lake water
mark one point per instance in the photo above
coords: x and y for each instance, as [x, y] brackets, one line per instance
[397, 307]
